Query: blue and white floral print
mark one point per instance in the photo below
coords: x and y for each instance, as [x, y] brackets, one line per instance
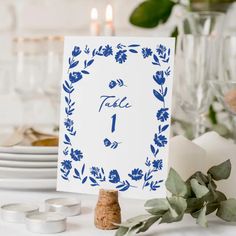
[73, 165]
[76, 155]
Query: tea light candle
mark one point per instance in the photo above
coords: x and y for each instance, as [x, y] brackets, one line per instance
[45, 223]
[94, 26]
[109, 29]
[17, 212]
[64, 206]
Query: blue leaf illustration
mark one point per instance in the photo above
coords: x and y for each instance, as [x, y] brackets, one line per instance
[67, 84]
[114, 145]
[158, 95]
[85, 72]
[148, 176]
[148, 162]
[74, 64]
[100, 48]
[67, 140]
[154, 186]
[90, 62]
[120, 82]
[77, 172]
[84, 179]
[83, 168]
[94, 182]
[156, 59]
[133, 51]
[134, 45]
[66, 89]
[153, 149]
[124, 186]
[165, 92]
[165, 127]
[67, 100]
[64, 177]
[94, 52]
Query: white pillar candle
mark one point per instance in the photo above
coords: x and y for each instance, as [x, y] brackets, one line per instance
[94, 25]
[109, 29]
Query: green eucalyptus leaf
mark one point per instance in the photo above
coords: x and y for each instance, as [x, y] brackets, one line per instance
[150, 13]
[135, 220]
[200, 177]
[157, 206]
[146, 225]
[194, 204]
[221, 171]
[220, 196]
[122, 231]
[169, 218]
[227, 210]
[198, 189]
[201, 220]
[179, 204]
[175, 184]
[133, 230]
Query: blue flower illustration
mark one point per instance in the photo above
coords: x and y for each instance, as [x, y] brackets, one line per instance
[114, 177]
[76, 51]
[136, 174]
[76, 155]
[121, 56]
[66, 165]
[107, 142]
[161, 50]
[146, 52]
[95, 171]
[107, 51]
[75, 77]
[157, 164]
[163, 114]
[112, 84]
[159, 77]
[160, 140]
[68, 123]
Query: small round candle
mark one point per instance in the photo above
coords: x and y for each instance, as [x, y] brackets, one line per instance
[17, 212]
[65, 206]
[46, 223]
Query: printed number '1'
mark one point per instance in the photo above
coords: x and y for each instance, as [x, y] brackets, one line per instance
[113, 125]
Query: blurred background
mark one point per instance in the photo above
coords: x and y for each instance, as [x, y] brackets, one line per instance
[31, 50]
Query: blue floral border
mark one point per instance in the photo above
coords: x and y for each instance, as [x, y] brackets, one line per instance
[96, 175]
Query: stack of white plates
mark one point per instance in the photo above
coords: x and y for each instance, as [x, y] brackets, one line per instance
[26, 167]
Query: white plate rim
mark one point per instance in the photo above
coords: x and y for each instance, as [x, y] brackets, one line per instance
[28, 164]
[28, 184]
[28, 157]
[29, 150]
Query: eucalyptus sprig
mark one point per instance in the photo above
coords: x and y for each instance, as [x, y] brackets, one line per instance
[198, 196]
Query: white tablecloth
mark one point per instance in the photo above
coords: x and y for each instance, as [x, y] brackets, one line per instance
[82, 225]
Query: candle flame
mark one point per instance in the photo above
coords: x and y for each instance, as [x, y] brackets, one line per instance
[109, 13]
[94, 14]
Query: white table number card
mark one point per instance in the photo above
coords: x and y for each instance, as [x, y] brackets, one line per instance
[115, 115]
